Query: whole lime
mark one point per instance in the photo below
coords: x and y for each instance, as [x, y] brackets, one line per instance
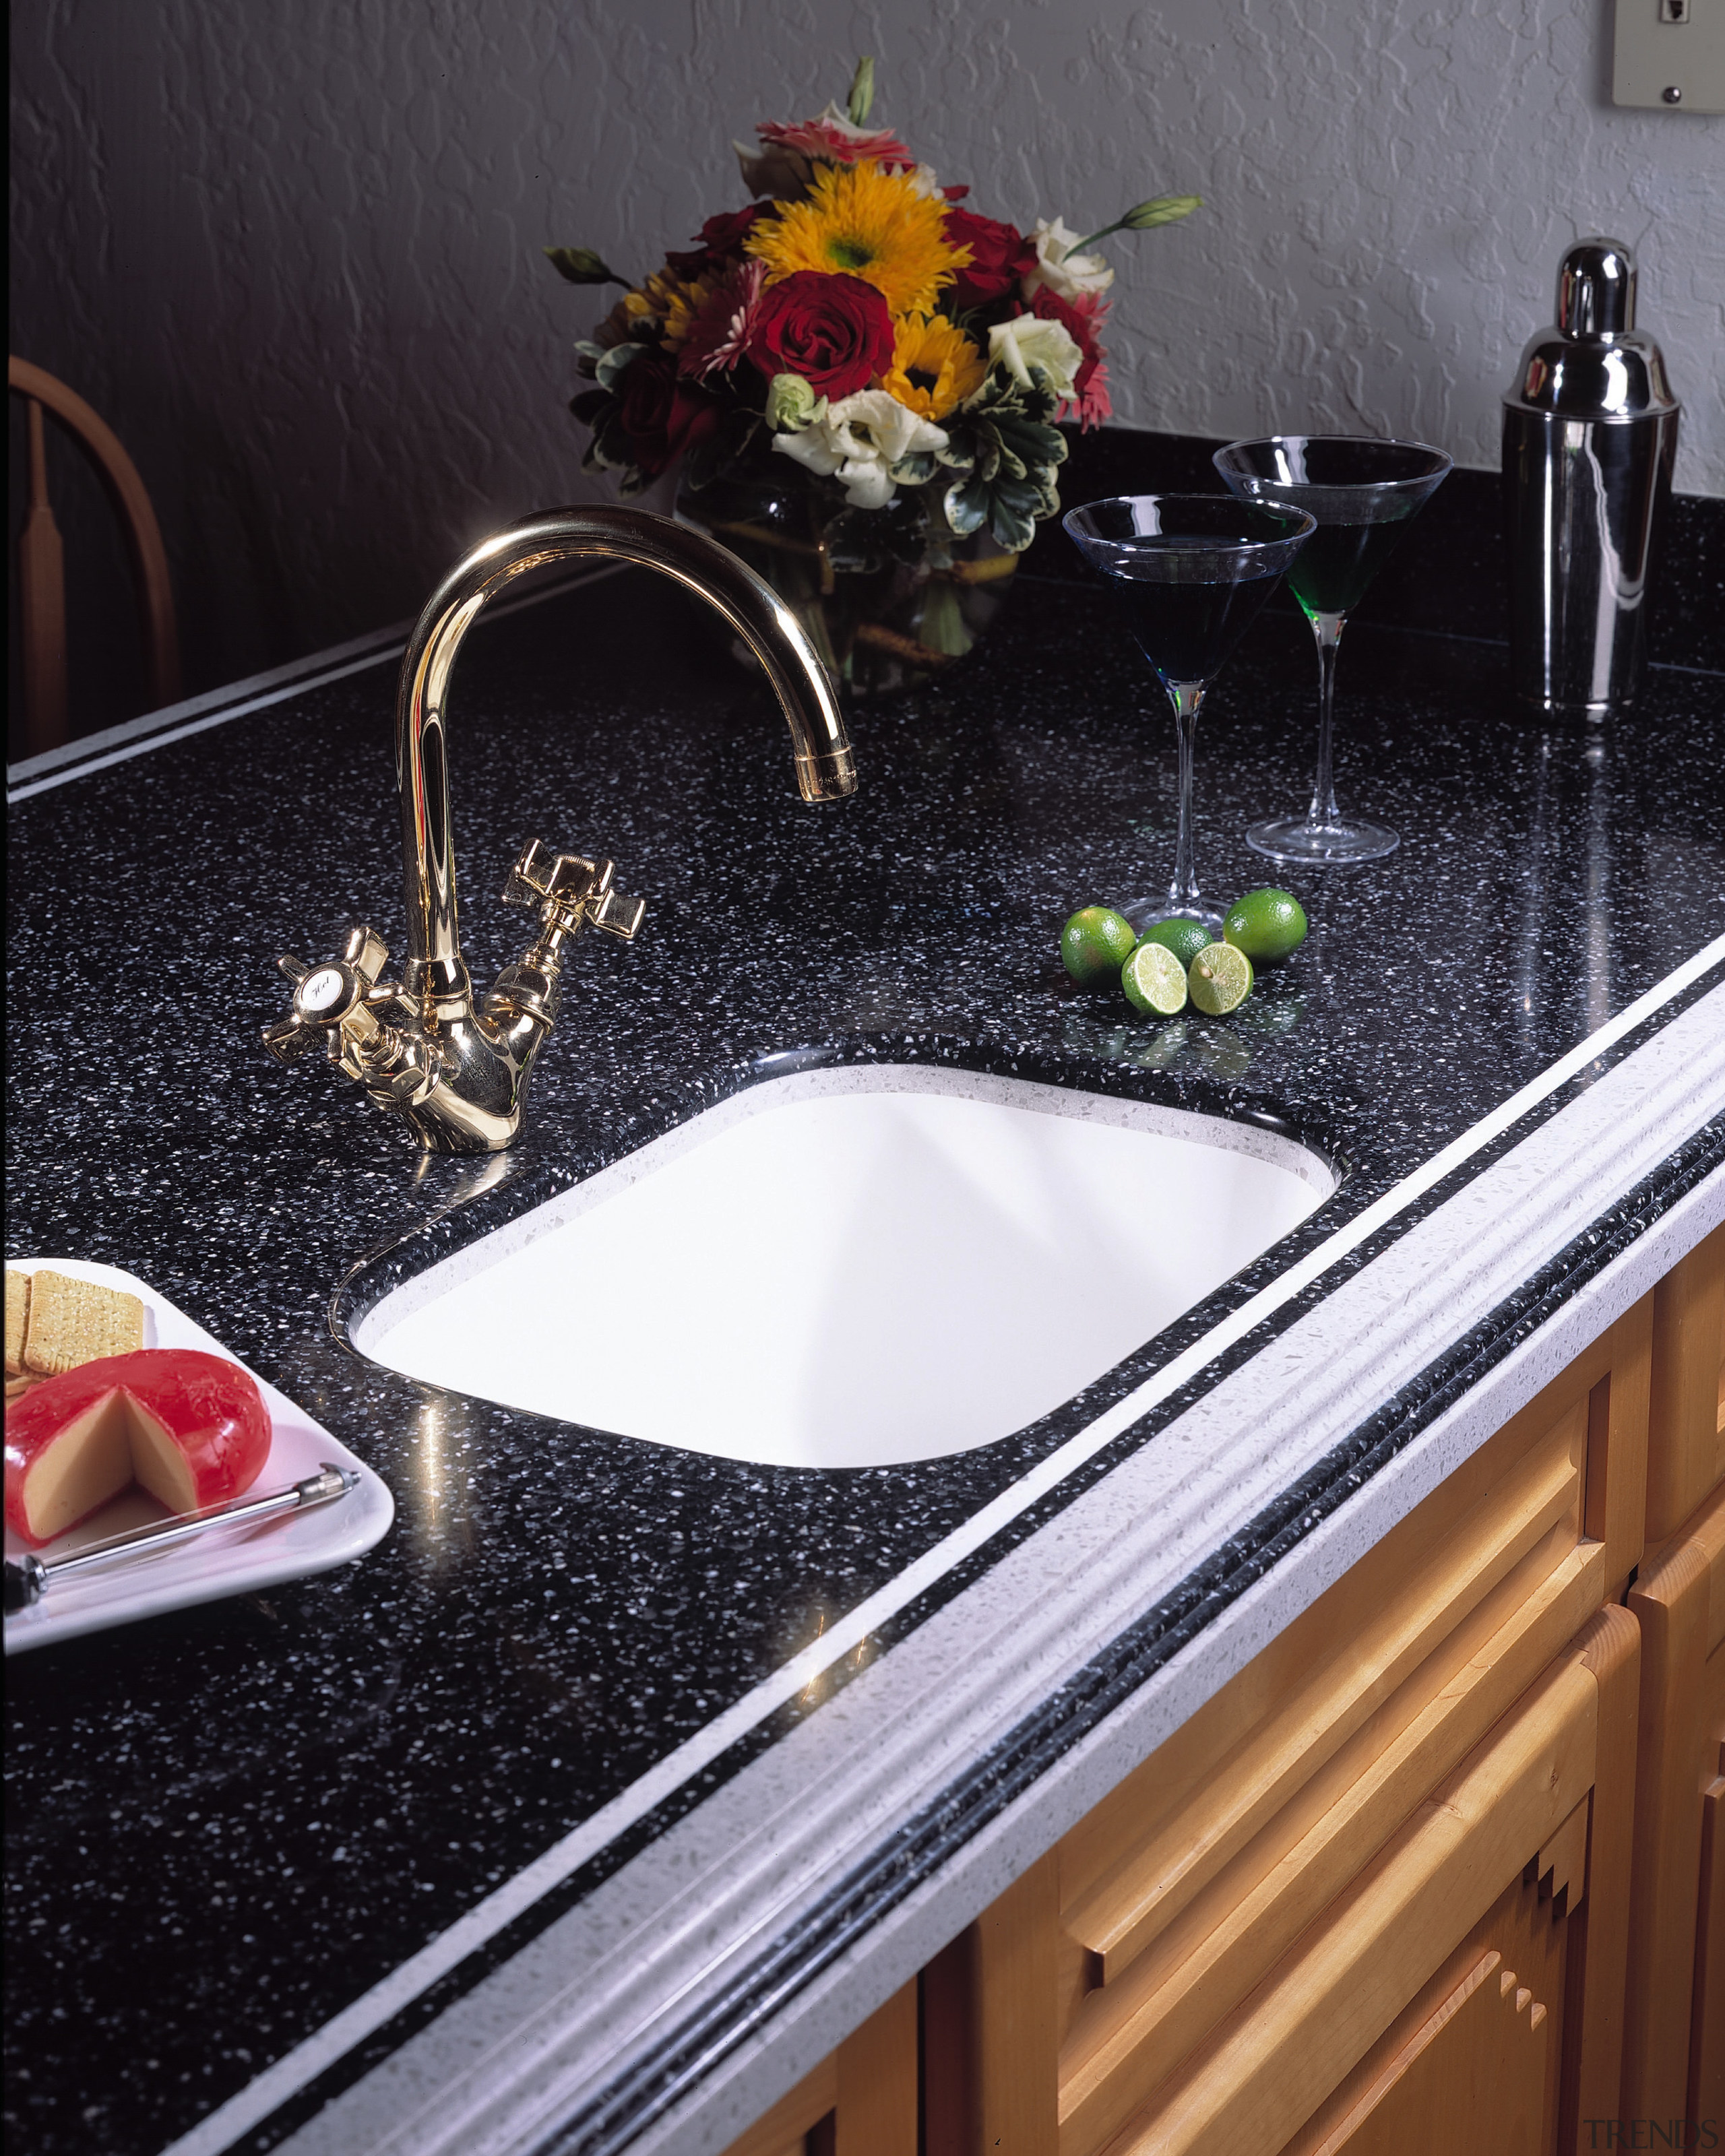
[1184, 938]
[1095, 943]
[1266, 925]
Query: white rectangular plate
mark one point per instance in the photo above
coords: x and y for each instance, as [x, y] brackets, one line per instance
[224, 1561]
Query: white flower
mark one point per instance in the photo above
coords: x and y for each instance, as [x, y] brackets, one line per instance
[923, 181]
[1029, 340]
[790, 404]
[1065, 274]
[858, 440]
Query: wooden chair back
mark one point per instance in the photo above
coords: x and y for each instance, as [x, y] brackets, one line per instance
[42, 583]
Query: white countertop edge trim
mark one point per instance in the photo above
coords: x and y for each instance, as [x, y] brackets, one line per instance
[195, 715]
[1665, 1062]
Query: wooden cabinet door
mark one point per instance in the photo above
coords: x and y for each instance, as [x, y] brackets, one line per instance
[1685, 1434]
[1679, 1603]
[1458, 1959]
[1472, 2071]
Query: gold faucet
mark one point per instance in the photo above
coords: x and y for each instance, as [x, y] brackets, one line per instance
[458, 1075]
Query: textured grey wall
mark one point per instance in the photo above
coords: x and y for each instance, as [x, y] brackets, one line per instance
[292, 250]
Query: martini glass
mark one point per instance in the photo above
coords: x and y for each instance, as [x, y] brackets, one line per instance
[1190, 571]
[1365, 493]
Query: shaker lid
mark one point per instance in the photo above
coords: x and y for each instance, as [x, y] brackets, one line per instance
[1596, 289]
[1593, 363]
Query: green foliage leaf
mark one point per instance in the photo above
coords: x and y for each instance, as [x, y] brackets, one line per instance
[914, 470]
[1010, 451]
[612, 363]
[862, 91]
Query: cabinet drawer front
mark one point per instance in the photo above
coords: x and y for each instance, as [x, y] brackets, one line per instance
[1127, 2036]
[1359, 1667]
[1271, 2062]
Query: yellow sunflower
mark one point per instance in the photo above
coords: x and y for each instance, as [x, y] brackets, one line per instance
[860, 221]
[671, 301]
[935, 366]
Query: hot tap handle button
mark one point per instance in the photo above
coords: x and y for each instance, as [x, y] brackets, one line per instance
[327, 993]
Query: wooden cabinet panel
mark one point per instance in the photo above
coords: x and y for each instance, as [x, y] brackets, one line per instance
[1133, 2032]
[1706, 2023]
[861, 2100]
[875, 2113]
[1279, 2055]
[1367, 1660]
[1151, 1846]
[1472, 2070]
[1592, 2073]
[1686, 1439]
[1679, 1602]
[990, 2044]
[784, 2131]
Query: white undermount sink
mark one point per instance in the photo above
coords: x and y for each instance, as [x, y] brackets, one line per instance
[853, 1268]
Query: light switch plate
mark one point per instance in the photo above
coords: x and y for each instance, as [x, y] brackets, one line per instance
[1667, 45]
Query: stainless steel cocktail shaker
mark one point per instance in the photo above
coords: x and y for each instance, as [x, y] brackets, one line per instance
[1589, 431]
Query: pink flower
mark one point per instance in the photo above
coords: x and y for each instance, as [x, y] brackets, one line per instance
[832, 137]
[1082, 318]
[723, 324]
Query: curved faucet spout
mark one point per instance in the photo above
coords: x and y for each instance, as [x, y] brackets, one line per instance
[456, 1074]
[433, 972]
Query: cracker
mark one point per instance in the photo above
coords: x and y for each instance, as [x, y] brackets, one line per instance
[17, 1311]
[16, 1388]
[74, 1321]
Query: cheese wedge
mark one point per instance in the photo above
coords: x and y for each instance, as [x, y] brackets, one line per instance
[191, 1428]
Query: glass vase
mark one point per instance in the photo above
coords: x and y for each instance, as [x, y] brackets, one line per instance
[889, 597]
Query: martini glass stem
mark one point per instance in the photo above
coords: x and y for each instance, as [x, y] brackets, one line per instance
[1327, 628]
[1183, 895]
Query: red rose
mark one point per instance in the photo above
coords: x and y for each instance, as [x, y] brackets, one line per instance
[835, 331]
[1000, 255]
[721, 239]
[662, 417]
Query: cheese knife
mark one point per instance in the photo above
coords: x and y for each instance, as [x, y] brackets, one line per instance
[28, 1579]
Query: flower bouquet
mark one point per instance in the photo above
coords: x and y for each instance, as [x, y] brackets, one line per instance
[857, 380]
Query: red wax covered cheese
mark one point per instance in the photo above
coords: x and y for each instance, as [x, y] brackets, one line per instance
[192, 1428]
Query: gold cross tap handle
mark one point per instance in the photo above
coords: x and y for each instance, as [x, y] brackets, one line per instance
[569, 892]
[332, 1002]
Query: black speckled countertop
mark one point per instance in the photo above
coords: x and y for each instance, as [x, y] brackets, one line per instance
[224, 1825]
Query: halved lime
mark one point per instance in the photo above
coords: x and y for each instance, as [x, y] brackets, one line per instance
[1184, 938]
[1266, 925]
[1220, 978]
[1095, 943]
[1154, 980]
